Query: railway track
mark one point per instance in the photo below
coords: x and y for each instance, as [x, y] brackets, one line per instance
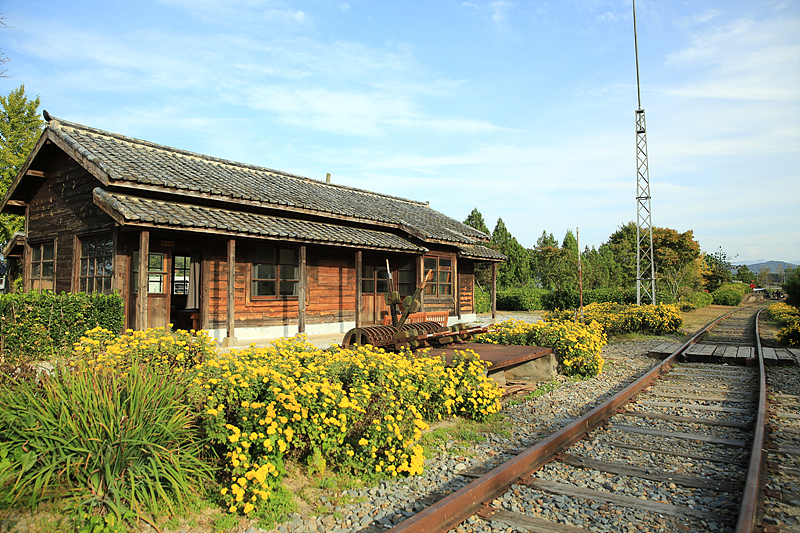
[676, 446]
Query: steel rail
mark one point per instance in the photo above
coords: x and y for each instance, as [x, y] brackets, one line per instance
[755, 470]
[452, 510]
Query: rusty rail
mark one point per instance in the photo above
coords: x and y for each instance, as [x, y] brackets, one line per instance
[460, 505]
[755, 470]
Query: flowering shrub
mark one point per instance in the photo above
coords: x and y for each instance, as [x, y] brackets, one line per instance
[788, 318]
[617, 318]
[362, 408]
[578, 346]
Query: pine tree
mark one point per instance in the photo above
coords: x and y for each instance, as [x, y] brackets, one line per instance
[517, 268]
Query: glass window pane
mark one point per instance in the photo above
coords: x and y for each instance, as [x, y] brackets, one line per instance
[288, 288]
[406, 276]
[135, 262]
[36, 270]
[430, 289]
[406, 289]
[262, 254]
[49, 252]
[289, 272]
[179, 262]
[264, 271]
[383, 286]
[107, 285]
[107, 266]
[368, 271]
[445, 263]
[263, 288]
[155, 282]
[87, 250]
[430, 263]
[156, 263]
[37, 254]
[444, 277]
[47, 270]
[108, 246]
[289, 257]
[368, 286]
[83, 285]
[90, 267]
[444, 290]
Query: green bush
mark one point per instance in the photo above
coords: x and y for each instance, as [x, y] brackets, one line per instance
[39, 325]
[520, 299]
[483, 300]
[599, 296]
[696, 300]
[101, 441]
[560, 299]
[729, 294]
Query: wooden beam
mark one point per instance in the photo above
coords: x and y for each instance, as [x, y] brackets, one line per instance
[301, 297]
[141, 298]
[230, 339]
[421, 272]
[205, 275]
[35, 173]
[457, 298]
[359, 262]
[494, 291]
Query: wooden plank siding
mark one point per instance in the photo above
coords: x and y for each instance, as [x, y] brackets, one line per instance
[62, 209]
[466, 281]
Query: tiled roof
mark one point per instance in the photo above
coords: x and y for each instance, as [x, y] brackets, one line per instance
[128, 160]
[135, 210]
[480, 252]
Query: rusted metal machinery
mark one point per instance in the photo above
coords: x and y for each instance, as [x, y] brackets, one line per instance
[403, 334]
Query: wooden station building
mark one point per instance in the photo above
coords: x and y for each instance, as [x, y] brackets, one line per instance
[238, 250]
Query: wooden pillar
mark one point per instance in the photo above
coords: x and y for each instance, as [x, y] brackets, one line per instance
[142, 285]
[421, 271]
[359, 262]
[26, 267]
[301, 297]
[230, 339]
[457, 295]
[205, 276]
[494, 291]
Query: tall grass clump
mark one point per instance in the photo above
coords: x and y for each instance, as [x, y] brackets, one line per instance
[102, 441]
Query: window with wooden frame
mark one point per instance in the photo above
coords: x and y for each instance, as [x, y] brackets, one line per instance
[43, 265]
[275, 272]
[156, 272]
[441, 284]
[374, 278]
[97, 261]
[406, 277]
[181, 264]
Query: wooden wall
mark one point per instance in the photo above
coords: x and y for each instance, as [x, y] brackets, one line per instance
[62, 209]
[466, 282]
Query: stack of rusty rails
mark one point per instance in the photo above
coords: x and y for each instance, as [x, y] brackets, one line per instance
[477, 496]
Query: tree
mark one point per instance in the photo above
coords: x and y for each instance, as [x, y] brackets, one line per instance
[677, 267]
[716, 270]
[475, 220]
[745, 275]
[546, 240]
[622, 244]
[792, 289]
[20, 127]
[517, 268]
[483, 272]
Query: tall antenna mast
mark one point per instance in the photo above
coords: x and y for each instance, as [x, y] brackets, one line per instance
[645, 266]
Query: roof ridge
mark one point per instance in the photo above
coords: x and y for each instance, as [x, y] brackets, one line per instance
[57, 123]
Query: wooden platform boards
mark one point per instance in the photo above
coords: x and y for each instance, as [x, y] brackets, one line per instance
[733, 355]
[509, 363]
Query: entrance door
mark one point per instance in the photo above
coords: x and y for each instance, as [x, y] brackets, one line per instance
[185, 290]
[158, 294]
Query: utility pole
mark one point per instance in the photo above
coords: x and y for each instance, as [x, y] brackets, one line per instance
[645, 265]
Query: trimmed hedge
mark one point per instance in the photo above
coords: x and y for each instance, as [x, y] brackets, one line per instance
[569, 299]
[483, 300]
[521, 299]
[39, 325]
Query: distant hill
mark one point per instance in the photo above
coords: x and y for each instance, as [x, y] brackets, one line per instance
[772, 266]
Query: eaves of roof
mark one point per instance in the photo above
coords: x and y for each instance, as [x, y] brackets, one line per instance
[136, 211]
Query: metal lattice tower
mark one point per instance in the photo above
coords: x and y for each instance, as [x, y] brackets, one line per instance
[645, 264]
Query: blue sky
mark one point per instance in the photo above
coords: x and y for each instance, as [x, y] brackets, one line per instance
[524, 110]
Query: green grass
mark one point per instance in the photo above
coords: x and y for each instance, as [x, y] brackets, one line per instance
[462, 433]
